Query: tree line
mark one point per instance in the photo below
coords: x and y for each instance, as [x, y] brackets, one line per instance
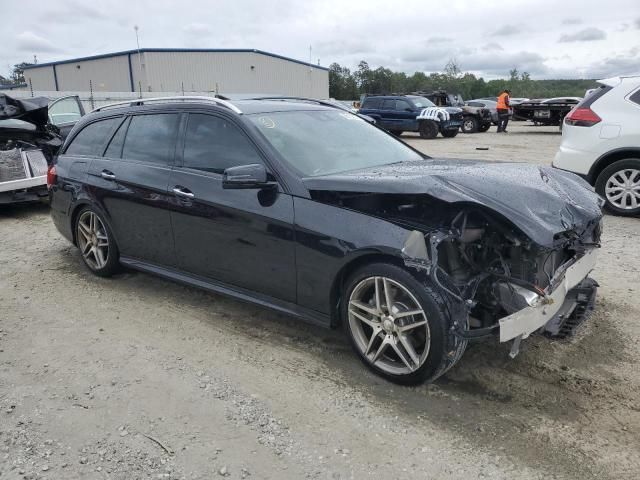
[347, 85]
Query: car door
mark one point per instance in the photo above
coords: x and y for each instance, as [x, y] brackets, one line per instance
[243, 238]
[405, 114]
[65, 112]
[130, 183]
[388, 117]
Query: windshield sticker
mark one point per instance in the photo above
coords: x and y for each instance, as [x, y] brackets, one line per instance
[267, 122]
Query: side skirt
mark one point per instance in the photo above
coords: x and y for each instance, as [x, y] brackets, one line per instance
[287, 308]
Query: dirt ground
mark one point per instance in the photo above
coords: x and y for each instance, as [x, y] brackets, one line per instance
[137, 377]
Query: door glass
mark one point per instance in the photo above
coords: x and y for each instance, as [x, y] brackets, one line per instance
[402, 105]
[92, 138]
[66, 110]
[213, 144]
[114, 150]
[389, 105]
[151, 138]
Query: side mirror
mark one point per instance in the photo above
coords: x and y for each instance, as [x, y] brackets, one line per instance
[252, 176]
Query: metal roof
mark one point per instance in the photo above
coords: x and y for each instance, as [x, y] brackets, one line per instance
[178, 50]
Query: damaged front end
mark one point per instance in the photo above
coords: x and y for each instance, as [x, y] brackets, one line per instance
[505, 284]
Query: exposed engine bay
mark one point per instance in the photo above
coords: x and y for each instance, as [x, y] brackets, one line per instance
[478, 259]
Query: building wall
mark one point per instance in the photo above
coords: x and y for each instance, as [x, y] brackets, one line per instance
[222, 72]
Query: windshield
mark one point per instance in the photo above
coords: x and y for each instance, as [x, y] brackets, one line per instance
[322, 142]
[422, 102]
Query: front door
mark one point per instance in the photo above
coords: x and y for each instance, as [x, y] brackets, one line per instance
[240, 237]
[65, 112]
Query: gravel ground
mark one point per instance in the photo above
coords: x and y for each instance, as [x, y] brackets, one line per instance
[136, 377]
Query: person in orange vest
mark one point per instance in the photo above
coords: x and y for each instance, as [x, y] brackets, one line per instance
[503, 111]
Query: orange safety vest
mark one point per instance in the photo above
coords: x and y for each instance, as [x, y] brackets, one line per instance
[502, 101]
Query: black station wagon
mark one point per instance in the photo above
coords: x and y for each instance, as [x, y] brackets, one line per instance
[312, 211]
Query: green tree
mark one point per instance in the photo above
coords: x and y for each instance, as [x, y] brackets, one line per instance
[17, 74]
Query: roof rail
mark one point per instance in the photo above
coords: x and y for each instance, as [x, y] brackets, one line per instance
[325, 103]
[144, 101]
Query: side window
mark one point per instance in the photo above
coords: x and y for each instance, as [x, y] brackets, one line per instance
[66, 110]
[371, 102]
[635, 97]
[389, 105]
[114, 150]
[475, 104]
[151, 138]
[213, 144]
[402, 105]
[92, 137]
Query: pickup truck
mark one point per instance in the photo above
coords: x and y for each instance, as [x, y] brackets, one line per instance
[31, 132]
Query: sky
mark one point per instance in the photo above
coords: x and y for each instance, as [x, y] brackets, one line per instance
[547, 38]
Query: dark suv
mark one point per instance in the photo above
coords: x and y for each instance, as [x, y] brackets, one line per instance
[310, 210]
[412, 113]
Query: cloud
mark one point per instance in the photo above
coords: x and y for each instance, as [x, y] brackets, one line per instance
[439, 40]
[197, 29]
[492, 47]
[30, 42]
[637, 23]
[586, 35]
[572, 21]
[507, 30]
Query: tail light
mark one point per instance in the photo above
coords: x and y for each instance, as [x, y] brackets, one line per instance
[52, 177]
[582, 117]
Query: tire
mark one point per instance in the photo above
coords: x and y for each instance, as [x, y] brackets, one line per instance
[483, 128]
[428, 129]
[469, 125]
[432, 342]
[397, 133]
[449, 133]
[613, 178]
[96, 243]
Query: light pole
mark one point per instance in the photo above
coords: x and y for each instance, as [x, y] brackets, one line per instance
[136, 28]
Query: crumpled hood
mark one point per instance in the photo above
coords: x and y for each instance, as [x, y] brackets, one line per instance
[33, 110]
[541, 201]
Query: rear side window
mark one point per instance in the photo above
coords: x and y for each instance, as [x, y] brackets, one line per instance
[91, 138]
[372, 102]
[151, 138]
[114, 150]
[213, 144]
[635, 97]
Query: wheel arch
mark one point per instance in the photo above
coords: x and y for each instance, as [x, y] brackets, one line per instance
[75, 211]
[609, 158]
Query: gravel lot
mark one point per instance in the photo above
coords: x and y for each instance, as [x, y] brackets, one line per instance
[136, 377]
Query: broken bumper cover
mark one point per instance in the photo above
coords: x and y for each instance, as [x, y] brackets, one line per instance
[544, 309]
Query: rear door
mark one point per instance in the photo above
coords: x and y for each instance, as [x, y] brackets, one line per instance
[130, 184]
[241, 237]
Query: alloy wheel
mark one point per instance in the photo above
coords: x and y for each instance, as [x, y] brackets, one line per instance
[388, 325]
[623, 189]
[93, 240]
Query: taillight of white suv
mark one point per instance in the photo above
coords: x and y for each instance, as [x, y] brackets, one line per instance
[582, 117]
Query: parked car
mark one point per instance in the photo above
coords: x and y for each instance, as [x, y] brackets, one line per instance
[486, 104]
[601, 142]
[474, 119]
[412, 113]
[314, 212]
[31, 131]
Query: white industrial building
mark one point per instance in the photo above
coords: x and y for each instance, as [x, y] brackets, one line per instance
[174, 70]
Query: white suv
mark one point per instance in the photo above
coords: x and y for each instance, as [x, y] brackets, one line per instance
[601, 143]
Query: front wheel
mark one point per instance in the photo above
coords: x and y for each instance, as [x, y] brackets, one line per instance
[428, 129]
[469, 125]
[619, 184]
[96, 243]
[485, 127]
[449, 133]
[400, 328]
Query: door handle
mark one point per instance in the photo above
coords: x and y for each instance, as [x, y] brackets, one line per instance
[183, 192]
[106, 174]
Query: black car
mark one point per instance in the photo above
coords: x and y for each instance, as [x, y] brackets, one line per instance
[412, 113]
[313, 212]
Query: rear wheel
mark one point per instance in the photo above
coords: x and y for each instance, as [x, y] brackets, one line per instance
[449, 133]
[469, 125]
[428, 129]
[619, 185]
[96, 243]
[399, 327]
